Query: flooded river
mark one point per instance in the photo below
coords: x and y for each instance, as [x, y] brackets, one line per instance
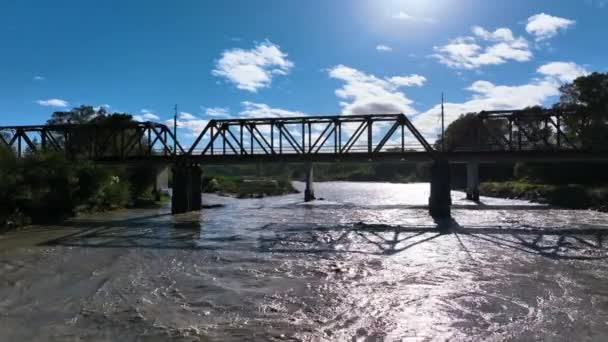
[364, 264]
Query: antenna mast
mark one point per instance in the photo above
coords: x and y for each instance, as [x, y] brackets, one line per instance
[175, 130]
[442, 125]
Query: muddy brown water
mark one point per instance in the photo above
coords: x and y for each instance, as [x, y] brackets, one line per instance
[365, 264]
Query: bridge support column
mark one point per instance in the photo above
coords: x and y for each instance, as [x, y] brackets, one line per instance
[309, 192]
[186, 189]
[440, 199]
[161, 183]
[473, 181]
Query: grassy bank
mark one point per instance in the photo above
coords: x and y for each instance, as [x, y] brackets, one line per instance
[574, 196]
[245, 187]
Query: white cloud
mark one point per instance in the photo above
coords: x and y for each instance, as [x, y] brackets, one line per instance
[186, 116]
[369, 94]
[489, 96]
[216, 111]
[563, 71]
[53, 103]
[39, 78]
[408, 17]
[105, 106]
[261, 110]
[195, 125]
[253, 69]
[498, 47]
[544, 26]
[408, 81]
[146, 116]
[190, 123]
[384, 48]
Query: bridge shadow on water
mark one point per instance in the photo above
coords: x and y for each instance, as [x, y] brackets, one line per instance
[165, 232]
[551, 242]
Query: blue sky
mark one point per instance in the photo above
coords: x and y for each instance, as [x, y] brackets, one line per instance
[280, 58]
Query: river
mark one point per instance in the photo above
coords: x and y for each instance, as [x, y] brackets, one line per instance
[365, 263]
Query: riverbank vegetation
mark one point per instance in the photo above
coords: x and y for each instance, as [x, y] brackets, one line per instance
[568, 184]
[247, 187]
[355, 172]
[46, 187]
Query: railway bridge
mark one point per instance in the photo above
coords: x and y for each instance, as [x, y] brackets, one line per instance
[493, 136]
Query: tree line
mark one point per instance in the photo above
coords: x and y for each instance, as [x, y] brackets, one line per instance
[45, 186]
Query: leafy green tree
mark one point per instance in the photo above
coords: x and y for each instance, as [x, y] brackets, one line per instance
[78, 115]
[586, 99]
[469, 132]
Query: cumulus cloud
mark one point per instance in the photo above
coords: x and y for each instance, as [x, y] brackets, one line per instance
[191, 123]
[408, 17]
[253, 69]
[194, 125]
[105, 106]
[384, 48]
[39, 78]
[216, 111]
[146, 115]
[483, 48]
[186, 116]
[53, 103]
[367, 94]
[261, 110]
[544, 26]
[489, 96]
[563, 71]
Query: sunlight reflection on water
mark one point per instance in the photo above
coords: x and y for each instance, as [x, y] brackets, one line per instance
[367, 261]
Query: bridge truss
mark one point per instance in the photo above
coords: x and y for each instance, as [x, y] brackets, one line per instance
[97, 142]
[523, 130]
[522, 135]
[309, 138]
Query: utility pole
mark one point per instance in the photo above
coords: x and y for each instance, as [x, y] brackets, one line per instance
[442, 125]
[175, 131]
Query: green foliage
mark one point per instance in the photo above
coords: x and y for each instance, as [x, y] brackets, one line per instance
[77, 115]
[573, 196]
[587, 97]
[45, 187]
[247, 187]
[385, 172]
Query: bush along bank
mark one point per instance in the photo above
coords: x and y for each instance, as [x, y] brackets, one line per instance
[573, 196]
[242, 187]
[47, 188]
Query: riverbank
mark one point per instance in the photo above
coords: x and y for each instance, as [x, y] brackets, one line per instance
[573, 196]
[242, 187]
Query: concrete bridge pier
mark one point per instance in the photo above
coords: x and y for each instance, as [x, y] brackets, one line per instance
[161, 183]
[187, 189]
[440, 199]
[473, 181]
[309, 192]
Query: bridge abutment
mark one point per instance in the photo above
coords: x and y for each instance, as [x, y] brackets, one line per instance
[187, 190]
[440, 199]
[309, 192]
[473, 181]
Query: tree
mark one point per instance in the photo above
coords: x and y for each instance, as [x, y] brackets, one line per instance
[77, 115]
[586, 102]
[470, 132]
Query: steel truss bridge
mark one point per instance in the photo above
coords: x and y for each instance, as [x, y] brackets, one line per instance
[528, 135]
[494, 136]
